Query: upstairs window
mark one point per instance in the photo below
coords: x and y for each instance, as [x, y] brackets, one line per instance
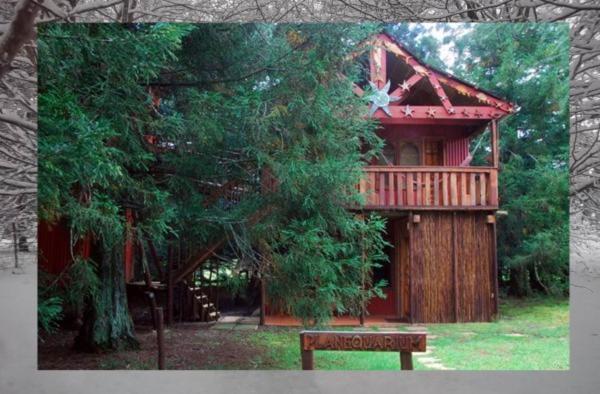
[410, 155]
[387, 156]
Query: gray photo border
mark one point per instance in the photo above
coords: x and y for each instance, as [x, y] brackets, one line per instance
[18, 327]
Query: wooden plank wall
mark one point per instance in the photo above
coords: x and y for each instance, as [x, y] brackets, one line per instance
[452, 267]
[456, 151]
[431, 268]
[474, 267]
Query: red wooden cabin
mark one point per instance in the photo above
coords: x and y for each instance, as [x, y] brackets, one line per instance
[440, 209]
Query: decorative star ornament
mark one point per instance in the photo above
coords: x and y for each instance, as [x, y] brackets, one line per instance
[405, 86]
[431, 112]
[408, 111]
[380, 98]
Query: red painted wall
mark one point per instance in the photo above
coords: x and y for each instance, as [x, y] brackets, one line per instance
[54, 251]
[456, 151]
[53, 247]
[383, 307]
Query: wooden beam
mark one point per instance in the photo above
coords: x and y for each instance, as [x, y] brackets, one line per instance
[408, 114]
[453, 82]
[466, 90]
[377, 65]
[403, 91]
[437, 88]
[494, 142]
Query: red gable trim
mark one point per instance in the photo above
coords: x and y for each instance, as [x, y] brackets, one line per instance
[484, 96]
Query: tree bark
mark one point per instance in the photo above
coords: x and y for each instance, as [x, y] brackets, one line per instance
[19, 32]
[107, 324]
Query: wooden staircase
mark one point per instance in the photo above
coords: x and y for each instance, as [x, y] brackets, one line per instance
[194, 304]
[199, 307]
[193, 263]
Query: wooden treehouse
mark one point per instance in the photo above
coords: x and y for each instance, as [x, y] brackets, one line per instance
[440, 209]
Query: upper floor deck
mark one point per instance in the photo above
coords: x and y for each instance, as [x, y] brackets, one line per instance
[428, 187]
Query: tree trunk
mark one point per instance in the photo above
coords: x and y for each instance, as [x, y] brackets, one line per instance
[107, 324]
[519, 284]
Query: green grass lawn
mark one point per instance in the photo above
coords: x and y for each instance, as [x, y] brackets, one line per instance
[530, 334]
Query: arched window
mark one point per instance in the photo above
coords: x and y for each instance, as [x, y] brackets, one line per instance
[410, 155]
[388, 156]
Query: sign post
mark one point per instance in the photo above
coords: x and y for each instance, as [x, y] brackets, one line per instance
[393, 341]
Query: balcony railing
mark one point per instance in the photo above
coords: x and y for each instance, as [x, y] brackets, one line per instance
[452, 188]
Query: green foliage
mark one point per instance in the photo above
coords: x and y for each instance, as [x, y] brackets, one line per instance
[237, 100]
[83, 283]
[93, 115]
[270, 98]
[65, 294]
[93, 159]
[528, 65]
[49, 314]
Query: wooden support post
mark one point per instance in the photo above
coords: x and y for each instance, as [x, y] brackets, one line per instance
[155, 259]
[170, 301]
[308, 360]
[152, 305]
[16, 244]
[160, 337]
[148, 280]
[494, 140]
[406, 362]
[263, 300]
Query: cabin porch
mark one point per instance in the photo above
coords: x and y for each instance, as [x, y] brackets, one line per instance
[429, 187]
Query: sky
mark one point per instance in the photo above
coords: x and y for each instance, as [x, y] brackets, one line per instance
[448, 51]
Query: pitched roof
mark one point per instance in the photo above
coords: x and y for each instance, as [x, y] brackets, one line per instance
[447, 90]
[447, 74]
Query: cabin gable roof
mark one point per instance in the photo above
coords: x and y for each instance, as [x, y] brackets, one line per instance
[408, 90]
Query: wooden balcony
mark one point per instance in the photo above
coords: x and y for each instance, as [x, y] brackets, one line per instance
[434, 188]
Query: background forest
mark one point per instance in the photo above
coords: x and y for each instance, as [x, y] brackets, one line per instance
[238, 99]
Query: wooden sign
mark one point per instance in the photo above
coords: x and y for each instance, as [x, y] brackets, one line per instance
[394, 341]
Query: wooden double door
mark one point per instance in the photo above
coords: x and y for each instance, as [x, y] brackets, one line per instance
[453, 273]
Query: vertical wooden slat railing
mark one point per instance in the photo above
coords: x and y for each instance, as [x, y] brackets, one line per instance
[392, 187]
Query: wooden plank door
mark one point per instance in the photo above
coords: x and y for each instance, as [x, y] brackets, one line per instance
[433, 153]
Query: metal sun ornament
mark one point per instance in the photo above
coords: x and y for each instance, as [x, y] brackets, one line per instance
[380, 98]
